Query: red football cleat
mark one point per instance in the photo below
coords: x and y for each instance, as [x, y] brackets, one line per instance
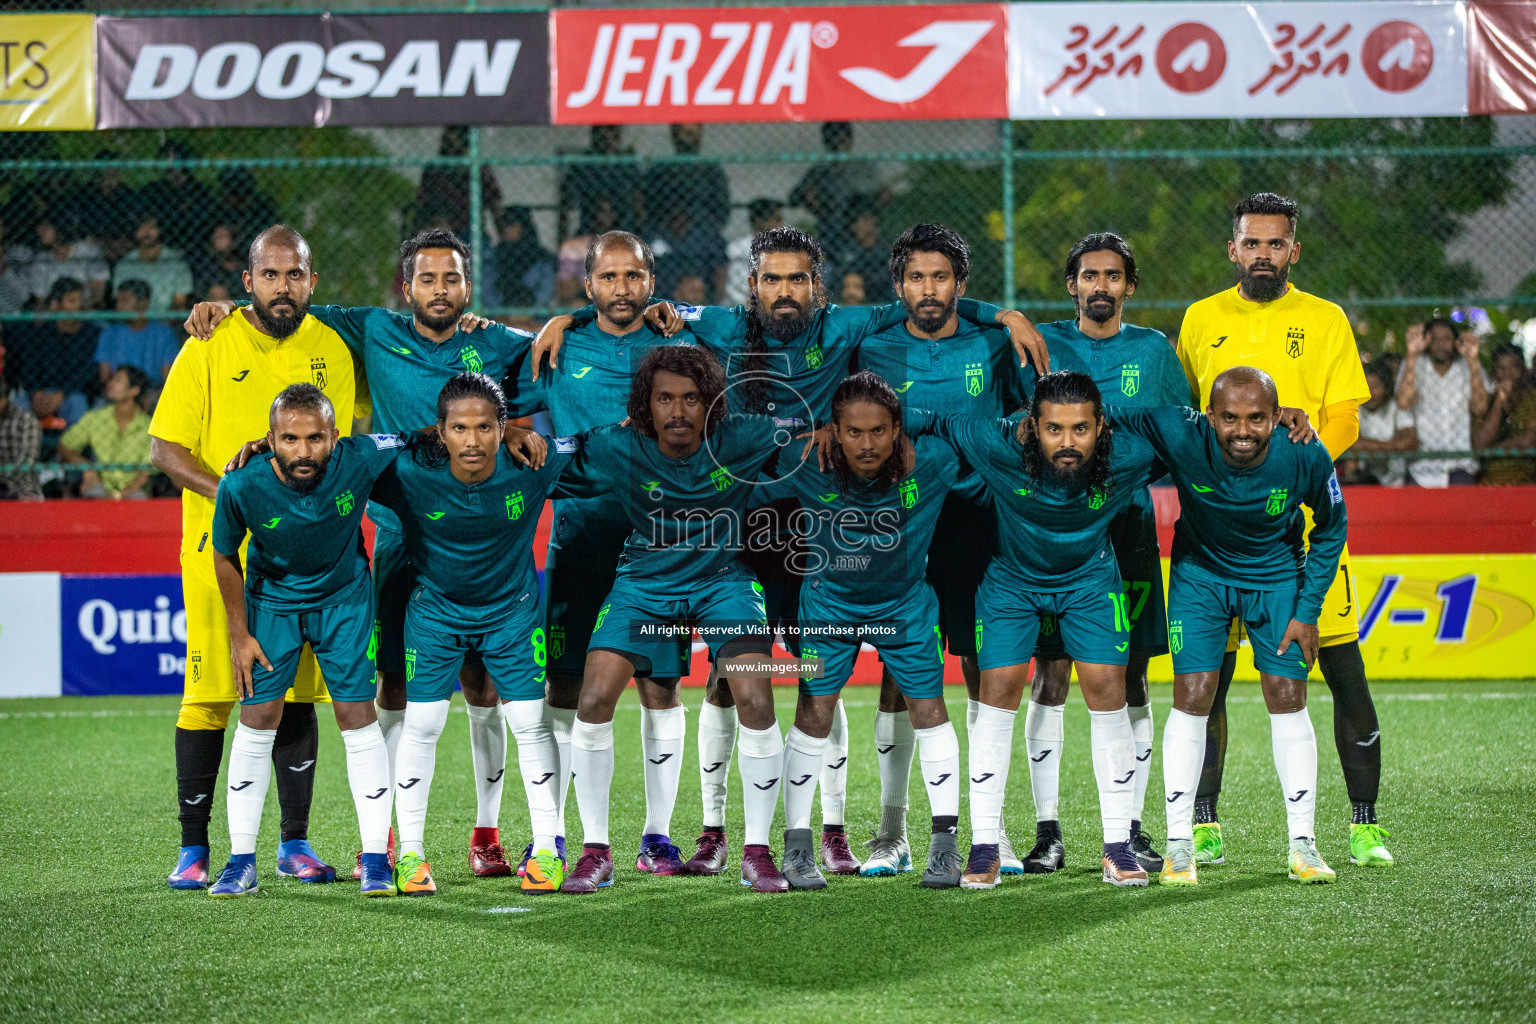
[593, 871]
[835, 855]
[759, 872]
[357, 871]
[486, 857]
[712, 854]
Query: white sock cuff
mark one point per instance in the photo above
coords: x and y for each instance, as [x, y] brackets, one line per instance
[1184, 726]
[997, 718]
[1107, 714]
[893, 727]
[592, 735]
[759, 742]
[565, 715]
[717, 718]
[253, 740]
[426, 717]
[1045, 721]
[389, 716]
[663, 724]
[524, 715]
[815, 746]
[479, 714]
[359, 740]
[1292, 724]
[938, 743]
[1139, 712]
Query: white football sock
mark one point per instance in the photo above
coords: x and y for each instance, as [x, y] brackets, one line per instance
[1044, 733]
[991, 750]
[368, 775]
[895, 747]
[415, 761]
[561, 722]
[760, 760]
[834, 770]
[1114, 769]
[488, 751]
[390, 724]
[939, 749]
[661, 745]
[1183, 756]
[717, 736]
[592, 765]
[972, 709]
[804, 757]
[1142, 731]
[1295, 748]
[538, 761]
[250, 772]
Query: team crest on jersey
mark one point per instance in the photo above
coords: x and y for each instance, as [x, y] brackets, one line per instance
[515, 505]
[1096, 498]
[317, 371]
[1276, 503]
[373, 642]
[813, 357]
[194, 667]
[1295, 340]
[471, 358]
[557, 641]
[1176, 636]
[909, 492]
[1130, 379]
[344, 504]
[722, 478]
[974, 378]
[410, 663]
[1047, 625]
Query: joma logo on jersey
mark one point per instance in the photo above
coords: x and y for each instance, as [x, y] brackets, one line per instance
[908, 493]
[515, 505]
[1276, 503]
[653, 488]
[471, 359]
[1130, 380]
[317, 371]
[1295, 340]
[974, 378]
[722, 478]
[813, 357]
[344, 504]
[1176, 636]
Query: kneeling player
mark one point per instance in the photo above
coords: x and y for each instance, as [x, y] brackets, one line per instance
[1238, 553]
[869, 522]
[307, 582]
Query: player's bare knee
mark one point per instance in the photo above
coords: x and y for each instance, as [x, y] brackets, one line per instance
[1194, 693]
[1003, 687]
[563, 692]
[754, 702]
[1137, 693]
[970, 671]
[1052, 681]
[813, 714]
[927, 712]
[717, 691]
[891, 700]
[479, 688]
[657, 694]
[1283, 696]
[266, 715]
[354, 714]
[392, 691]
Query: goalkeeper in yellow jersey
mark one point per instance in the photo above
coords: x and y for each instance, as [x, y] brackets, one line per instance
[1306, 344]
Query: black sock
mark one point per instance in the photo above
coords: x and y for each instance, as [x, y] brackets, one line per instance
[1356, 731]
[946, 824]
[1049, 828]
[1362, 812]
[1205, 810]
[1135, 827]
[198, 753]
[293, 760]
[1215, 743]
[594, 846]
[831, 828]
[712, 830]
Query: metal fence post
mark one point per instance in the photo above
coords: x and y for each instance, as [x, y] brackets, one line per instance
[476, 211]
[1010, 293]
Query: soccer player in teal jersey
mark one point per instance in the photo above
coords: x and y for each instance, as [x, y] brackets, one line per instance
[1238, 551]
[785, 353]
[867, 523]
[469, 515]
[1058, 476]
[305, 581]
[1132, 366]
[940, 361]
[591, 390]
[407, 360]
[683, 471]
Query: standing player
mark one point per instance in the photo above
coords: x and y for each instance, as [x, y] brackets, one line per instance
[217, 396]
[407, 360]
[1238, 550]
[1306, 346]
[1058, 476]
[1132, 366]
[306, 581]
[868, 524]
[939, 361]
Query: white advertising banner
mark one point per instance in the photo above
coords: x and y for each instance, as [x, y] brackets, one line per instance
[1228, 60]
[29, 635]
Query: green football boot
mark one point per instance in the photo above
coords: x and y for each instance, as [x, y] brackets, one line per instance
[1208, 843]
[1366, 847]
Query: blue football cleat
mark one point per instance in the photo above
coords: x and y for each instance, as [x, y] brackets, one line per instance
[295, 859]
[191, 869]
[378, 875]
[237, 879]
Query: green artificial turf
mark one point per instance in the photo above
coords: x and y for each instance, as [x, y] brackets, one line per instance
[88, 833]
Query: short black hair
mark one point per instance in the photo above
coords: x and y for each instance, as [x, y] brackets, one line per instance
[63, 286]
[930, 238]
[1103, 241]
[137, 378]
[300, 398]
[693, 362]
[835, 133]
[601, 242]
[285, 236]
[1440, 321]
[138, 289]
[1267, 204]
[1503, 349]
[762, 209]
[432, 238]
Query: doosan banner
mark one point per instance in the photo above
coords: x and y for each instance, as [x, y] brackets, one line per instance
[320, 70]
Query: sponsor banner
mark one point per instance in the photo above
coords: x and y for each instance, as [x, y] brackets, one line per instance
[47, 72]
[29, 634]
[779, 64]
[1283, 59]
[122, 634]
[324, 69]
[1501, 57]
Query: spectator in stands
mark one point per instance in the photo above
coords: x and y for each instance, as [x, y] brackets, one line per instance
[764, 215]
[157, 265]
[699, 189]
[114, 433]
[142, 342]
[524, 271]
[19, 440]
[57, 361]
[14, 252]
[1510, 421]
[219, 263]
[241, 205]
[690, 290]
[15, 291]
[62, 253]
[1444, 393]
[850, 289]
[828, 189]
[584, 186]
[684, 248]
[442, 200]
[110, 208]
[1383, 428]
[184, 205]
[571, 265]
[865, 255]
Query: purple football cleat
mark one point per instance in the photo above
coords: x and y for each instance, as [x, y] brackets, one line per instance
[658, 856]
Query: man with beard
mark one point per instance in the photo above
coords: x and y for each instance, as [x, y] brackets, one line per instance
[407, 360]
[305, 582]
[1132, 366]
[1239, 551]
[939, 361]
[218, 395]
[1307, 347]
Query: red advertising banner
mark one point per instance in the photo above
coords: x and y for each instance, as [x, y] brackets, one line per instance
[1501, 57]
[779, 64]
